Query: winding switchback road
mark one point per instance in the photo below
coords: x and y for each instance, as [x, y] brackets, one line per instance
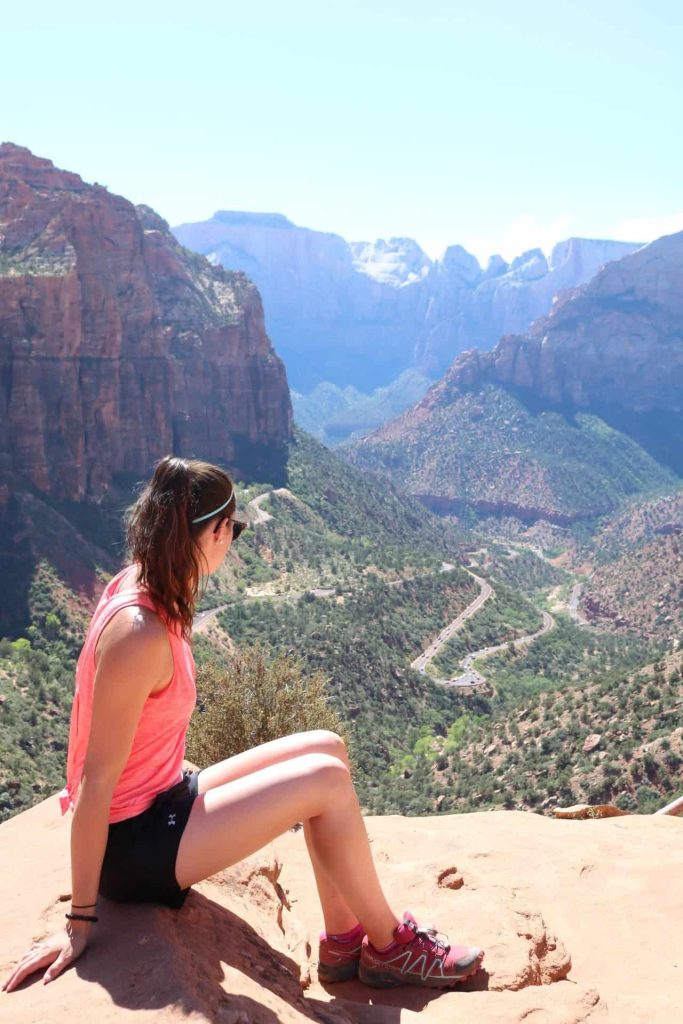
[422, 660]
[471, 677]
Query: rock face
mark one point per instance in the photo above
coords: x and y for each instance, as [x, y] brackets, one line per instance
[566, 420]
[117, 346]
[470, 307]
[243, 949]
[329, 319]
[615, 342]
[362, 313]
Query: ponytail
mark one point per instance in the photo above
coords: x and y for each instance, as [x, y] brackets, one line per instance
[162, 538]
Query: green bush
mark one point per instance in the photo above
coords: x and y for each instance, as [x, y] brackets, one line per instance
[250, 700]
[648, 799]
[625, 802]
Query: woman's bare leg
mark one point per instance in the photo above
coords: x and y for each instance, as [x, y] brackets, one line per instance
[231, 821]
[316, 741]
[337, 915]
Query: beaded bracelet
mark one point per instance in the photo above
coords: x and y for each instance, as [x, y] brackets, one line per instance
[81, 917]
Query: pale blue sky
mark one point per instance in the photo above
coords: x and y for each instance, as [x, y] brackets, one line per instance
[497, 125]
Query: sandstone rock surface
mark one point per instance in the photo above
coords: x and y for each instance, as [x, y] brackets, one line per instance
[582, 921]
[117, 346]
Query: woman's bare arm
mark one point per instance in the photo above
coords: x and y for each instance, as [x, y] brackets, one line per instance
[133, 658]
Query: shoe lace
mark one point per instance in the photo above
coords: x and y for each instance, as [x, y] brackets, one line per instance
[438, 939]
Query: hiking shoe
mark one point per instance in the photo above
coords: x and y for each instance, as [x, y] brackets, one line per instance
[338, 957]
[417, 956]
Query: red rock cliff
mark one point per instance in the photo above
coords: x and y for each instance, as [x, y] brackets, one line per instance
[117, 345]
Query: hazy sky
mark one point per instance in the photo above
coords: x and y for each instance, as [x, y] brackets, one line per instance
[496, 125]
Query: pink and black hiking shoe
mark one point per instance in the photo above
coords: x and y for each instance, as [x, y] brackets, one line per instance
[339, 955]
[417, 956]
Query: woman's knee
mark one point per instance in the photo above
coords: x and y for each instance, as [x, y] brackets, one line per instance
[328, 773]
[328, 742]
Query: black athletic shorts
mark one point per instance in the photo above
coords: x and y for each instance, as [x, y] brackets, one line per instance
[139, 861]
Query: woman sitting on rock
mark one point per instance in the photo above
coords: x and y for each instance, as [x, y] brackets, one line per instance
[144, 830]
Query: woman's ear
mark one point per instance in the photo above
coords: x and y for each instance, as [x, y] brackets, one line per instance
[221, 531]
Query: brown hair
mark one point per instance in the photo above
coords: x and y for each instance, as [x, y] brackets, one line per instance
[162, 539]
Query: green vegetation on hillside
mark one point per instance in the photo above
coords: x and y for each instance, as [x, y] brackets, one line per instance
[526, 750]
[568, 655]
[487, 448]
[363, 641]
[637, 579]
[524, 572]
[36, 690]
[347, 580]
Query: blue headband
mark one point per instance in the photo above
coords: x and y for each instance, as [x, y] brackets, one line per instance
[200, 519]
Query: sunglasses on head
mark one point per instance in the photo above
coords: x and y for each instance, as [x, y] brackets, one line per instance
[237, 527]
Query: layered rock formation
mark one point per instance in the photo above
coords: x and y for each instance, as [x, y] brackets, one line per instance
[566, 420]
[362, 313]
[617, 341]
[470, 307]
[117, 346]
[329, 320]
[559, 925]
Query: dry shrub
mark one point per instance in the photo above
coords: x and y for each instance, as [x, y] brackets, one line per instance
[249, 700]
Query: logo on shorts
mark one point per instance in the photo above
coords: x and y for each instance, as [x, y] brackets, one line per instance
[171, 819]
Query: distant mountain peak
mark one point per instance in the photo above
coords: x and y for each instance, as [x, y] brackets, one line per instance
[362, 312]
[457, 257]
[394, 261]
[260, 220]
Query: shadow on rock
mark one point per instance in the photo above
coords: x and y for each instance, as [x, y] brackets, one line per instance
[202, 958]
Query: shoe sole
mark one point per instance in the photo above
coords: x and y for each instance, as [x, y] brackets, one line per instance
[390, 979]
[330, 975]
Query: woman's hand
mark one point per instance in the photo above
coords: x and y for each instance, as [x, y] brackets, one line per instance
[55, 952]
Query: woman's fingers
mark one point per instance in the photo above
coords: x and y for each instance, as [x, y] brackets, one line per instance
[33, 961]
[57, 967]
[55, 953]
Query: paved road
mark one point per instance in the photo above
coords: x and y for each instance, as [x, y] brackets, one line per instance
[422, 660]
[202, 619]
[470, 677]
[258, 515]
[575, 595]
[573, 605]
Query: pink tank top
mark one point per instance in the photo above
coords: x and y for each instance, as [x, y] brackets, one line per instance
[156, 757]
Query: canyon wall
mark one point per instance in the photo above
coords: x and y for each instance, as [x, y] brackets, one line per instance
[118, 346]
[361, 313]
